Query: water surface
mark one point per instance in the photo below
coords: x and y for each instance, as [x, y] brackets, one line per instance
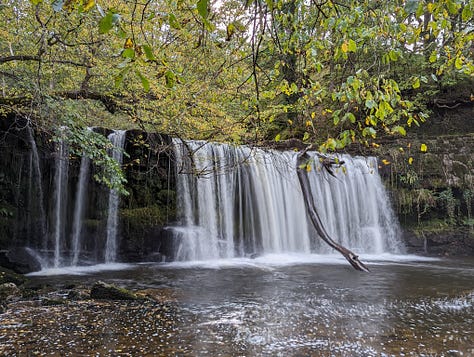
[271, 306]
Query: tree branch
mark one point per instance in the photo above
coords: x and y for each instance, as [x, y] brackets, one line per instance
[301, 162]
[38, 59]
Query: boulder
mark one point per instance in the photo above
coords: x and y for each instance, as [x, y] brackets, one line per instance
[101, 290]
[8, 291]
[21, 260]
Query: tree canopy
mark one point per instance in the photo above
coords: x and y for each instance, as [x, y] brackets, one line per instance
[326, 72]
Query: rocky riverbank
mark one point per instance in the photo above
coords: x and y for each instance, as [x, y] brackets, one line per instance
[71, 320]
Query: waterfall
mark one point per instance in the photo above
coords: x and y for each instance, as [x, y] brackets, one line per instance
[81, 197]
[39, 191]
[118, 140]
[60, 195]
[238, 201]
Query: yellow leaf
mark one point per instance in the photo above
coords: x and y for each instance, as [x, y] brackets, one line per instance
[313, 115]
[308, 168]
[128, 43]
[410, 160]
[423, 148]
[385, 162]
[88, 4]
[344, 47]
[308, 123]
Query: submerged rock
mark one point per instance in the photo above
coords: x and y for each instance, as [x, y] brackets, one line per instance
[101, 290]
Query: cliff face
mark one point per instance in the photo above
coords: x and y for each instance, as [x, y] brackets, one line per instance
[433, 191]
[29, 197]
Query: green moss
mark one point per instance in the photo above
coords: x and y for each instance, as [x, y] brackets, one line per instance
[432, 226]
[146, 216]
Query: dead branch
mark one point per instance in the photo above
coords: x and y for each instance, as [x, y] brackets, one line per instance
[301, 162]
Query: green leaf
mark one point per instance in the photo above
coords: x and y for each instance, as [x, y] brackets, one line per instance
[351, 117]
[369, 131]
[400, 130]
[452, 7]
[306, 136]
[202, 8]
[416, 83]
[128, 53]
[148, 53]
[173, 21]
[458, 63]
[278, 137]
[433, 56]
[466, 13]
[352, 46]
[393, 55]
[119, 78]
[144, 80]
[106, 23]
[36, 2]
[170, 79]
[370, 103]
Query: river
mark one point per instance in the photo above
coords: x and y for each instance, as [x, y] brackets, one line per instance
[275, 305]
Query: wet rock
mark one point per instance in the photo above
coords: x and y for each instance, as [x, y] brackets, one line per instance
[9, 291]
[9, 276]
[446, 243]
[102, 290]
[52, 301]
[21, 260]
[76, 294]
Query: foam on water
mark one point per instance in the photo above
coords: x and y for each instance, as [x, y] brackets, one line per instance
[269, 261]
[82, 270]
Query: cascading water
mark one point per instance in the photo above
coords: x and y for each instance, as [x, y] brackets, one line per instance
[237, 201]
[79, 208]
[35, 161]
[118, 140]
[60, 196]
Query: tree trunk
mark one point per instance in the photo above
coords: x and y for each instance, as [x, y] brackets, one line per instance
[301, 162]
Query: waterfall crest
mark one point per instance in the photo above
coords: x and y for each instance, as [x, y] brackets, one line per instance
[238, 201]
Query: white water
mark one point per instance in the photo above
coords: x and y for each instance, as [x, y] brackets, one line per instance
[60, 194]
[118, 140]
[39, 186]
[81, 198]
[242, 201]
